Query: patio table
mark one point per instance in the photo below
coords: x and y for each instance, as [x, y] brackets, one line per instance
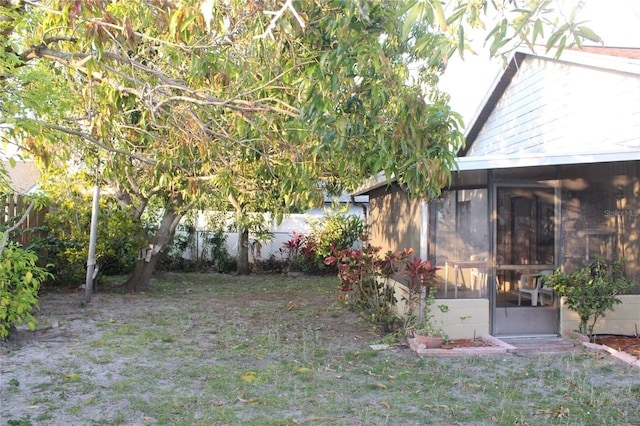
[458, 266]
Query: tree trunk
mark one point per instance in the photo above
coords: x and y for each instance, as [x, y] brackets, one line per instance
[139, 280]
[243, 252]
[242, 258]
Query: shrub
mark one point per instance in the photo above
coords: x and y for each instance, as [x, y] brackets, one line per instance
[337, 231]
[298, 253]
[67, 226]
[591, 290]
[207, 249]
[359, 272]
[331, 233]
[20, 279]
[270, 265]
[67, 242]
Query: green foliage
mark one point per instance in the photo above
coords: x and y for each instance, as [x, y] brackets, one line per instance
[330, 233]
[197, 250]
[334, 231]
[298, 253]
[423, 321]
[5, 188]
[20, 279]
[270, 265]
[422, 290]
[591, 290]
[363, 286]
[185, 103]
[68, 224]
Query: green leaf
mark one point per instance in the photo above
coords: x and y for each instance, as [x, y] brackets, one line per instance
[437, 6]
[538, 31]
[588, 33]
[414, 12]
[561, 45]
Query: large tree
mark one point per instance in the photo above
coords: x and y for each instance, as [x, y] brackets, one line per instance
[261, 103]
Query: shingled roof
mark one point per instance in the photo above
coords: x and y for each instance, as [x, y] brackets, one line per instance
[23, 176]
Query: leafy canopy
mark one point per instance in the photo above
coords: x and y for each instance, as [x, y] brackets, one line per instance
[263, 103]
[162, 95]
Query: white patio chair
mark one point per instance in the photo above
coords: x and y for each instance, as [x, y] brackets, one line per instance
[478, 276]
[535, 290]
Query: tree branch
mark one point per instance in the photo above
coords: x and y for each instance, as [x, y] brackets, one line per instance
[288, 5]
[5, 234]
[94, 141]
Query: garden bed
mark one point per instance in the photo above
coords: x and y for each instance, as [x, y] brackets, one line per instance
[628, 344]
[481, 346]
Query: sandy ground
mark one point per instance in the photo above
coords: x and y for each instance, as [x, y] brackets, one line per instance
[69, 370]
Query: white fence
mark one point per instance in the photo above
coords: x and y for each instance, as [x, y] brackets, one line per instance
[298, 223]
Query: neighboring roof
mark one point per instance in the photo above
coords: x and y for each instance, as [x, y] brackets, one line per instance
[23, 177]
[345, 198]
[372, 183]
[616, 59]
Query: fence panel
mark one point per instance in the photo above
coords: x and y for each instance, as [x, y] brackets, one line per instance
[14, 205]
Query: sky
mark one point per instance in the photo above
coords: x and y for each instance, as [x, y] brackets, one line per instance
[467, 81]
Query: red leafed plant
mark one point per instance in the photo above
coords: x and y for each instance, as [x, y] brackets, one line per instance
[359, 271]
[421, 273]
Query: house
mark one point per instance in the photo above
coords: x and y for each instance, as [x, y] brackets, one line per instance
[23, 175]
[22, 179]
[549, 178]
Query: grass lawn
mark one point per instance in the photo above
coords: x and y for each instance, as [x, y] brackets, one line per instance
[202, 349]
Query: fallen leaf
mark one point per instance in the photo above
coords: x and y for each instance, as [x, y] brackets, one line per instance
[303, 370]
[249, 376]
[379, 385]
[247, 401]
[385, 405]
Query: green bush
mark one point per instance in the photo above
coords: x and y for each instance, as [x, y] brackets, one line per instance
[68, 225]
[20, 279]
[337, 231]
[363, 284]
[591, 290]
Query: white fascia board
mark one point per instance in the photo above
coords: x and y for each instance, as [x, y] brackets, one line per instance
[503, 162]
[595, 60]
[372, 183]
[543, 159]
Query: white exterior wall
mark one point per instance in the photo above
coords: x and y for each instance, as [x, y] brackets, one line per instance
[555, 107]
